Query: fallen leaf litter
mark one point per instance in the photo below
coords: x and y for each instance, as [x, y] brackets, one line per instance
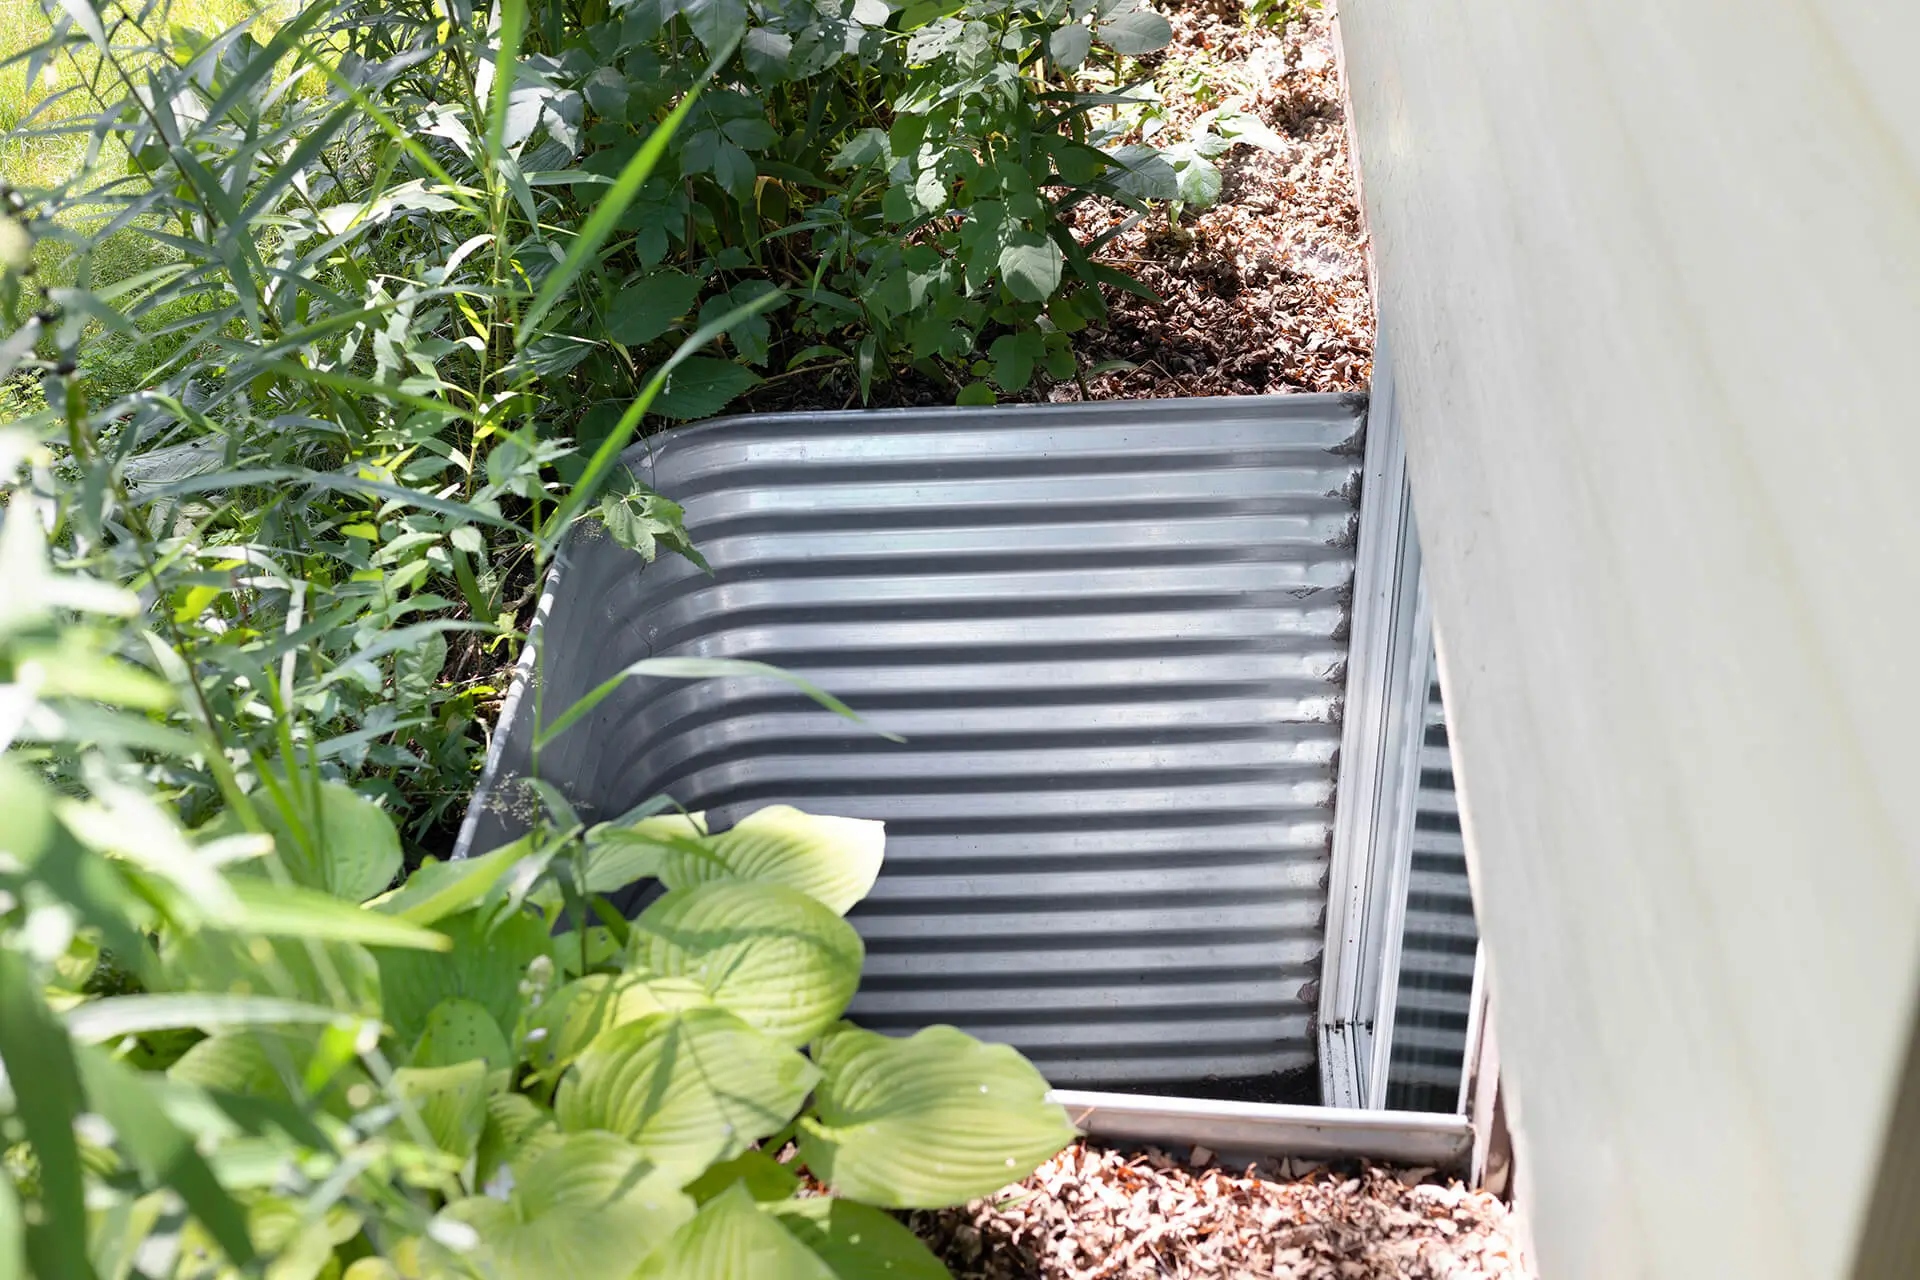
[1093, 1213]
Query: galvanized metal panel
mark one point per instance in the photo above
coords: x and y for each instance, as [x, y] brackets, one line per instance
[1113, 636]
[1238, 1130]
[1437, 950]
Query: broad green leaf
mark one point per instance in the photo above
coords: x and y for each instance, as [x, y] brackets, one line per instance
[729, 1238]
[284, 911]
[1031, 265]
[764, 1177]
[644, 310]
[164, 1152]
[115, 1016]
[451, 1101]
[858, 1239]
[1013, 356]
[1068, 46]
[1199, 177]
[602, 948]
[460, 1031]
[834, 860]
[438, 889]
[372, 1269]
[717, 23]
[783, 962]
[932, 1120]
[977, 394]
[702, 386]
[687, 1088]
[865, 147]
[515, 1126]
[767, 54]
[483, 965]
[1143, 173]
[350, 848]
[47, 1099]
[616, 856]
[562, 1028]
[589, 1205]
[1134, 31]
[300, 1241]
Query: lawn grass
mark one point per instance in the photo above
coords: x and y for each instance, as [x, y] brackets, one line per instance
[44, 162]
[113, 361]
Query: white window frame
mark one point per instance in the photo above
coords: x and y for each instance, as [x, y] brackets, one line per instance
[1389, 665]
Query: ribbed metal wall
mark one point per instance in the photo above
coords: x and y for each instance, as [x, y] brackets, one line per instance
[1114, 638]
[1437, 951]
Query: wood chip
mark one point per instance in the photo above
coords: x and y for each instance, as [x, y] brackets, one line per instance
[1094, 1213]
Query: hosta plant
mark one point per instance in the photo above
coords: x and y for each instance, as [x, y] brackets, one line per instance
[564, 1092]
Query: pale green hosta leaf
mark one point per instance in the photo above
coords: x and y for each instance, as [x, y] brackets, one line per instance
[932, 1120]
[562, 1028]
[779, 959]
[515, 1131]
[858, 1240]
[460, 1031]
[731, 1238]
[300, 1243]
[589, 1205]
[452, 1102]
[687, 1088]
[834, 860]
[616, 856]
[764, 1177]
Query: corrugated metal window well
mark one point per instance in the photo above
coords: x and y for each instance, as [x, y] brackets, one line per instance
[1118, 640]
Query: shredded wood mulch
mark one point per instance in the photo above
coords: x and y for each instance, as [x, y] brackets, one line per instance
[1267, 290]
[1096, 1214]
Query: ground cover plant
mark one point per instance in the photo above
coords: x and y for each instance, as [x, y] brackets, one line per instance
[323, 327]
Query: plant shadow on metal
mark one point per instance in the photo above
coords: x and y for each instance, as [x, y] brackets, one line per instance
[1112, 637]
